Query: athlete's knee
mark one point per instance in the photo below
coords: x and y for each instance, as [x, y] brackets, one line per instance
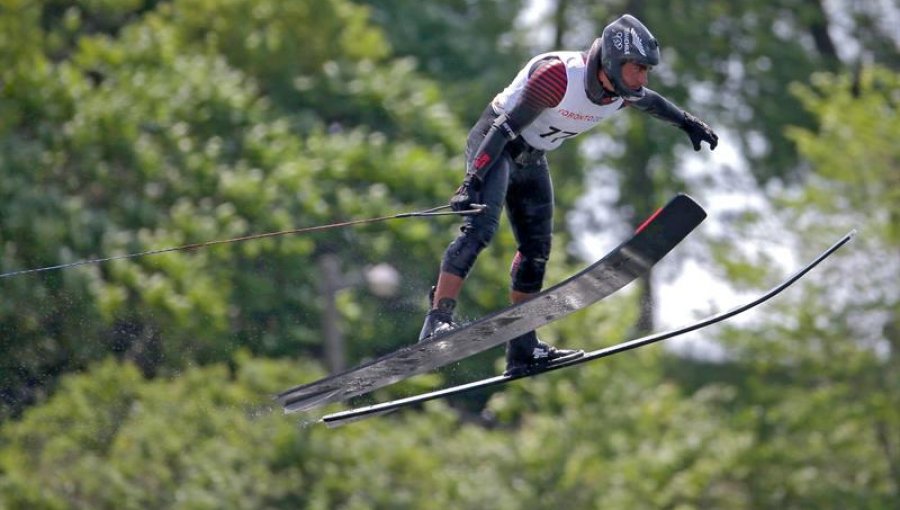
[461, 254]
[529, 266]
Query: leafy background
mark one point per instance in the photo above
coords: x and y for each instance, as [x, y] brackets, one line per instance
[134, 125]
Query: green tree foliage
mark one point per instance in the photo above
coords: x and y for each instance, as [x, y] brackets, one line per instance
[852, 152]
[128, 126]
[469, 47]
[209, 437]
[819, 387]
[163, 132]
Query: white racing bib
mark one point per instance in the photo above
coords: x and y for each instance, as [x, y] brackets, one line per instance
[574, 115]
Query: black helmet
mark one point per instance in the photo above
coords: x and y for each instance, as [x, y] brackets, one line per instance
[624, 40]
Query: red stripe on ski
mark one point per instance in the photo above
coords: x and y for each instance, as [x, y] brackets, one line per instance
[648, 220]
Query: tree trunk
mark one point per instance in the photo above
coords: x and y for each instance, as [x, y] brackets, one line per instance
[818, 29]
[559, 23]
[329, 285]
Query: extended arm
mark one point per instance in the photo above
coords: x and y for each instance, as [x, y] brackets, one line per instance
[663, 109]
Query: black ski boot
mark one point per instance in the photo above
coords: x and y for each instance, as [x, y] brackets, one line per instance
[527, 354]
[439, 320]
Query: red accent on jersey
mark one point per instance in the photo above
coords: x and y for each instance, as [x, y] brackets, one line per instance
[482, 160]
[546, 86]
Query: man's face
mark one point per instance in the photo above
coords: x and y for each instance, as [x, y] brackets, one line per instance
[635, 75]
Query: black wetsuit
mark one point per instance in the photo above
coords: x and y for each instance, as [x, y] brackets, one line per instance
[516, 175]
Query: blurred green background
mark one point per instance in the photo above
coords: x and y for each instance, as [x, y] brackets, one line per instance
[146, 383]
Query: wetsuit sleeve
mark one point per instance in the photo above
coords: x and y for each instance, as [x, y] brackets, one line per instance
[545, 88]
[659, 107]
[662, 108]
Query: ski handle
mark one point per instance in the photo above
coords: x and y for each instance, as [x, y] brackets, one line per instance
[441, 211]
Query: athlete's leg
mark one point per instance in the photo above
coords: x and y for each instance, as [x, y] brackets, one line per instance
[476, 233]
[530, 210]
[529, 202]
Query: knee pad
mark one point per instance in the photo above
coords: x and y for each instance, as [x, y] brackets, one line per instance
[461, 254]
[528, 267]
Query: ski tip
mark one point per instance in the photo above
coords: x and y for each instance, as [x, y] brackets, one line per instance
[848, 237]
[684, 204]
[684, 197]
[689, 202]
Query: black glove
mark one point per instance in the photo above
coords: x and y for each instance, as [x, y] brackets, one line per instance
[468, 194]
[699, 132]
